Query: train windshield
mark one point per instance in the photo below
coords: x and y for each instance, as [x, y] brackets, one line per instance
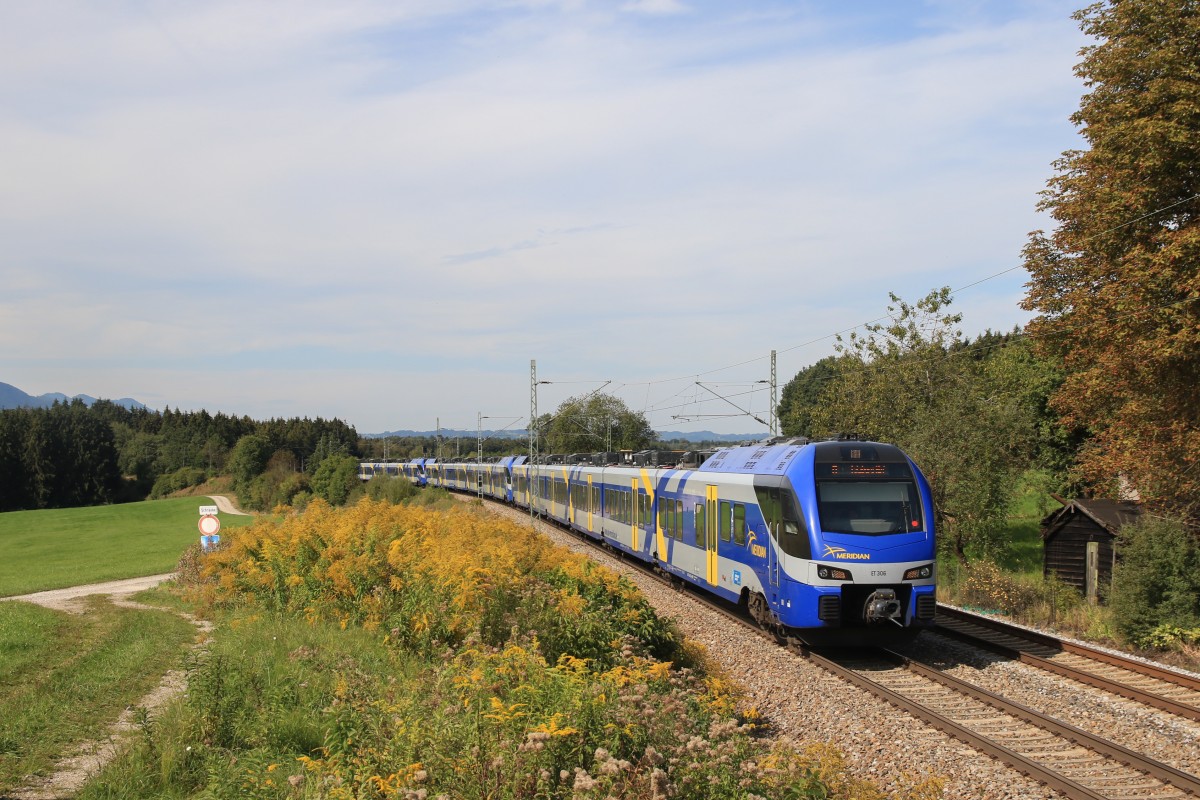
[871, 508]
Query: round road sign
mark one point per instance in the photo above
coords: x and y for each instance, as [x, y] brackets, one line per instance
[209, 525]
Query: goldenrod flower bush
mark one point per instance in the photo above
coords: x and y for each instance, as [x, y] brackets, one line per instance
[384, 651]
[429, 578]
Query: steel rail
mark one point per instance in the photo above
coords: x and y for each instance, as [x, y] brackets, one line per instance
[1094, 653]
[1012, 758]
[1072, 789]
[1163, 772]
[1127, 690]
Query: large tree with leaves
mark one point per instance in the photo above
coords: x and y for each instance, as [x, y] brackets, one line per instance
[593, 423]
[1117, 284]
[802, 395]
[969, 421]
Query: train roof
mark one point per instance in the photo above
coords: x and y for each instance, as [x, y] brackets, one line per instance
[775, 456]
[765, 457]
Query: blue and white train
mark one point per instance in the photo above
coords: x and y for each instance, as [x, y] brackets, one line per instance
[827, 541]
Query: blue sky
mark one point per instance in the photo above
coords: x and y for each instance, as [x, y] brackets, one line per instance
[382, 211]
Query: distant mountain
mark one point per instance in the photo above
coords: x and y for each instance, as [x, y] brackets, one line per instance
[519, 433]
[12, 397]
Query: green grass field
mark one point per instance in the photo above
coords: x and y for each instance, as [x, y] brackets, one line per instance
[56, 548]
[64, 678]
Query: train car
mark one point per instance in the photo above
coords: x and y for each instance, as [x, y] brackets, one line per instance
[829, 541]
[369, 469]
[414, 471]
[810, 536]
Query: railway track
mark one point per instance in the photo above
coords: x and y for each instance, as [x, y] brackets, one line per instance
[1077, 764]
[1069, 760]
[1073, 762]
[1144, 683]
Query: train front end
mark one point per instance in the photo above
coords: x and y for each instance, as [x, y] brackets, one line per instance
[869, 518]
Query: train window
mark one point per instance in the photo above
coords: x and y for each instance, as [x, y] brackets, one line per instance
[793, 535]
[871, 508]
[701, 531]
[739, 524]
[678, 519]
[769, 504]
[726, 517]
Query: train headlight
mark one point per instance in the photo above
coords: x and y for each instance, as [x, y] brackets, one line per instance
[827, 573]
[919, 573]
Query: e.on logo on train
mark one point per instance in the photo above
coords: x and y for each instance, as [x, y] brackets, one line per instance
[841, 554]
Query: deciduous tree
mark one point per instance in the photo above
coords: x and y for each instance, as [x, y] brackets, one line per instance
[914, 383]
[1117, 284]
[590, 424]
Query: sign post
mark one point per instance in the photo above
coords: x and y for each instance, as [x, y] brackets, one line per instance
[209, 527]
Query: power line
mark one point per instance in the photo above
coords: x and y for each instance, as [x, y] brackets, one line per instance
[953, 292]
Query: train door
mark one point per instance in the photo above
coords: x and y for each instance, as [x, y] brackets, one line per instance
[772, 555]
[635, 518]
[590, 506]
[570, 503]
[709, 526]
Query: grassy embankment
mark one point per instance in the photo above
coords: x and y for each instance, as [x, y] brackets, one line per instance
[389, 651]
[64, 678]
[1012, 582]
[56, 548]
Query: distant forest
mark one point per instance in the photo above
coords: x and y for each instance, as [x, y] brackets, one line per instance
[74, 455]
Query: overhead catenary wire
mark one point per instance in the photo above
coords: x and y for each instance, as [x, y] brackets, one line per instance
[953, 292]
[653, 408]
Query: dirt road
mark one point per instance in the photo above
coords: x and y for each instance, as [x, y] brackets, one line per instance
[69, 599]
[73, 771]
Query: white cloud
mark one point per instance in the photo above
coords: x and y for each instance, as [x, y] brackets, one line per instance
[477, 184]
[655, 7]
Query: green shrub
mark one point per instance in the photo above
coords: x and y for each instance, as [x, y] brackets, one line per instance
[393, 490]
[182, 478]
[1029, 598]
[336, 479]
[1156, 582]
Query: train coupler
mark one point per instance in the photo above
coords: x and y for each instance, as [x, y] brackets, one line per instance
[882, 606]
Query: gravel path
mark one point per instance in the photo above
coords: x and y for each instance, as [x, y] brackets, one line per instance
[881, 743]
[72, 772]
[226, 506]
[73, 599]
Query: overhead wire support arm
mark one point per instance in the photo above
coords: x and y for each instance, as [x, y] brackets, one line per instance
[750, 414]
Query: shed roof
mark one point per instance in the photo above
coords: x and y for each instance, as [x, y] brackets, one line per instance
[1108, 514]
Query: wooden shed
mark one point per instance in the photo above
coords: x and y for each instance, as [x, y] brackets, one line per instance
[1077, 542]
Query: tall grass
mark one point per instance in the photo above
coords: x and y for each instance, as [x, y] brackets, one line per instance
[64, 678]
[381, 651]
